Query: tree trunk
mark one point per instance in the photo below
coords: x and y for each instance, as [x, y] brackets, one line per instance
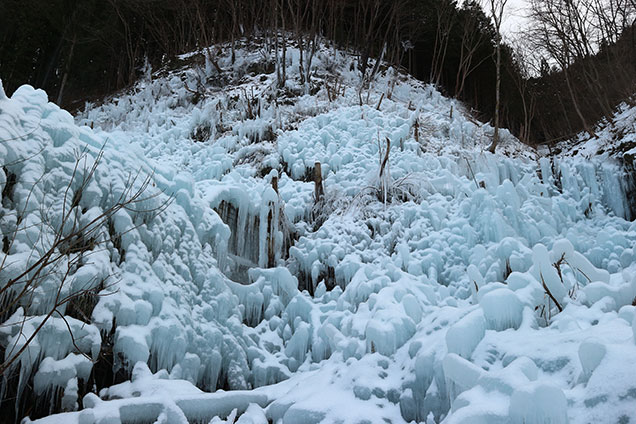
[575, 103]
[67, 69]
[495, 137]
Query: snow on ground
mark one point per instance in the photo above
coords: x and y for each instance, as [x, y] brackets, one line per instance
[458, 287]
[614, 137]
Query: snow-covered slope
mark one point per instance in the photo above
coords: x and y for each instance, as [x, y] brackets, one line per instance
[456, 287]
[614, 137]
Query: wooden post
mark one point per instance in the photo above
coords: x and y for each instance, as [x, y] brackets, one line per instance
[417, 130]
[271, 242]
[319, 192]
[271, 256]
[275, 183]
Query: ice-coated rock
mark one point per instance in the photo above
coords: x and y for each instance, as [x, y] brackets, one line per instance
[463, 373]
[538, 403]
[591, 353]
[502, 309]
[253, 415]
[463, 336]
[412, 308]
[298, 415]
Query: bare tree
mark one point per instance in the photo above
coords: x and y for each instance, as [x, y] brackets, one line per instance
[551, 33]
[522, 77]
[472, 38]
[306, 16]
[365, 23]
[497, 8]
[278, 24]
[445, 20]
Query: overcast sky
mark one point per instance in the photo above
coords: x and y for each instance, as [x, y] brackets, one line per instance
[514, 16]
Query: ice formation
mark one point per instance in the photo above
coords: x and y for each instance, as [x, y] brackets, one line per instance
[464, 287]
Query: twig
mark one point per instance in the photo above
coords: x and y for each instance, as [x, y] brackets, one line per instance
[549, 293]
[473, 174]
[380, 102]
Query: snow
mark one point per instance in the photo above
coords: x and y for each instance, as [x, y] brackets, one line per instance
[462, 287]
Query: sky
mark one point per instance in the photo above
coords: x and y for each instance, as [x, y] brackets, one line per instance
[515, 17]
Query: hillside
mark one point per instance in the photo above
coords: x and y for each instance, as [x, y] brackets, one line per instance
[431, 281]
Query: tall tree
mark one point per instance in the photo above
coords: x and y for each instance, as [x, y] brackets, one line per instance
[474, 33]
[496, 11]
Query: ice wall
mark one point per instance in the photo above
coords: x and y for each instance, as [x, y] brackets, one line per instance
[480, 283]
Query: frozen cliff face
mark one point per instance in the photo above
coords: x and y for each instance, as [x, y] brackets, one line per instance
[615, 146]
[458, 286]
